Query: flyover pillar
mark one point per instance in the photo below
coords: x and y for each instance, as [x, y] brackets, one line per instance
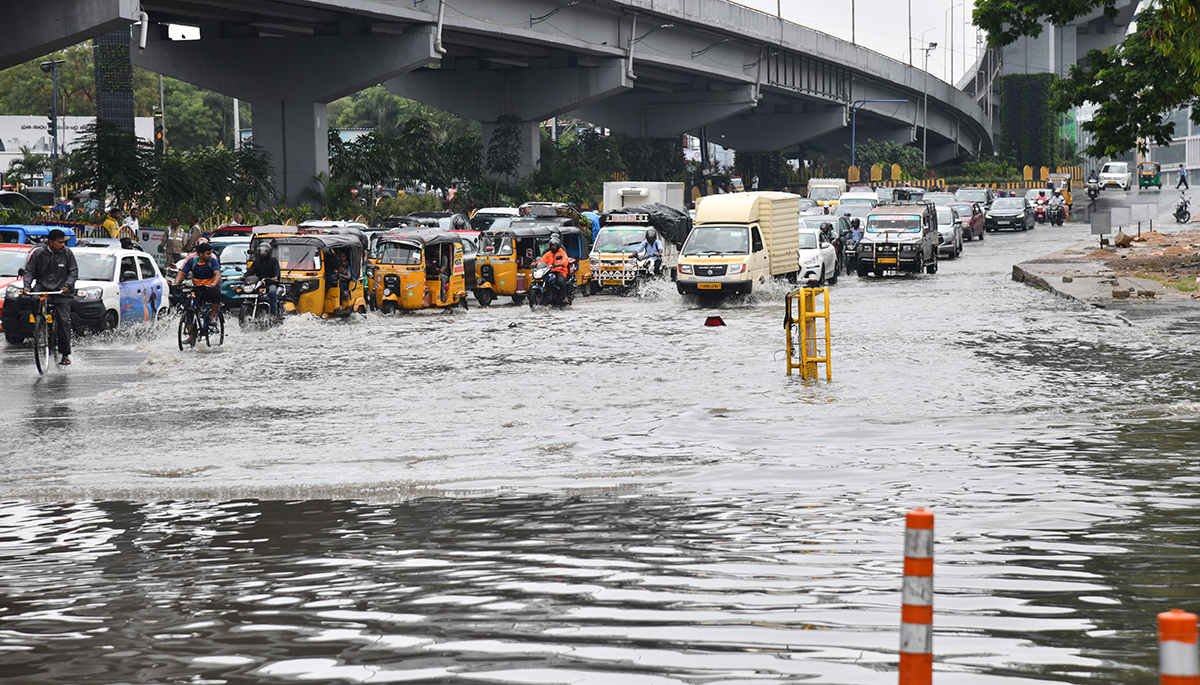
[289, 81]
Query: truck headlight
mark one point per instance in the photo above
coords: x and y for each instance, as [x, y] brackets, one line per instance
[89, 294]
[736, 269]
[683, 269]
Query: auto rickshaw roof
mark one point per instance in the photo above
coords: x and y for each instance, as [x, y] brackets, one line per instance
[327, 240]
[427, 237]
[1058, 175]
[540, 229]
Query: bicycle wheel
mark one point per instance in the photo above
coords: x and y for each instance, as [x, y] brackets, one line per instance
[220, 328]
[187, 326]
[41, 344]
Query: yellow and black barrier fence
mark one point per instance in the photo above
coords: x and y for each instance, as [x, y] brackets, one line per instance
[808, 336]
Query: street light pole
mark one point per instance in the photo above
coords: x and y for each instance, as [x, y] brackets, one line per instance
[925, 116]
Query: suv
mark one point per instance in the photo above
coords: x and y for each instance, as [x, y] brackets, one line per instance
[899, 236]
[983, 196]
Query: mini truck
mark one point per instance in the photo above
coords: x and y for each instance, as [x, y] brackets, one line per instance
[899, 237]
[614, 264]
[739, 240]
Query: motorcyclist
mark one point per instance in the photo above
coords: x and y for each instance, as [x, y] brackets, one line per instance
[1093, 177]
[1058, 205]
[855, 230]
[652, 247]
[266, 268]
[832, 237]
[556, 258]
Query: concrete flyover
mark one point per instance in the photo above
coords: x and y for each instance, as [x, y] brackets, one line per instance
[642, 67]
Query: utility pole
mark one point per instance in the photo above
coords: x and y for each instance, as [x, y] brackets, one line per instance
[910, 50]
[925, 116]
[852, 38]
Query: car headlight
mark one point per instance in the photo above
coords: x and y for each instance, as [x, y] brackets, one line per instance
[812, 261]
[736, 269]
[89, 294]
[13, 291]
[685, 268]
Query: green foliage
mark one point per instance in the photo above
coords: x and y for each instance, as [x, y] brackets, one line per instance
[1134, 100]
[29, 168]
[503, 155]
[885, 153]
[377, 108]
[112, 161]
[1005, 21]
[1028, 123]
[407, 204]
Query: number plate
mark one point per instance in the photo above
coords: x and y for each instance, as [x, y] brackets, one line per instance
[608, 282]
[887, 260]
[709, 286]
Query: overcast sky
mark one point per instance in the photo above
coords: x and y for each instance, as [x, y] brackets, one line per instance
[882, 26]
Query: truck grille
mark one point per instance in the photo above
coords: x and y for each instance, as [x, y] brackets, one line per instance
[711, 269]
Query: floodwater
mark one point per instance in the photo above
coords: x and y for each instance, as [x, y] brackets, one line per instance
[612, 493]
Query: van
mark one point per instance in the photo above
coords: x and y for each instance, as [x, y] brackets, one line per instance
[826, 191]
[740, 240]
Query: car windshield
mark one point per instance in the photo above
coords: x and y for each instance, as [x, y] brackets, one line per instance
[11, 262]
[710, 240]
[816, 221]
[806, 203]
[945, 216]
[484, 222]
[235, 254]
[940, 198]
[963, 209]
[495, 244]
[299, 256]
[1033, 195]
[823, 193]
[619, 239]
[41, 197]
[398, 253]
[971, 195]
[808, 241]
[95, 267]
[1008, 204]
[1115, 168]
[877, 223]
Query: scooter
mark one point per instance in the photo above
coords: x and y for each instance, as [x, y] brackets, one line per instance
[544, 288]
[1057, 214]
[1183, 212]
[1041, 207]
[1093, 189]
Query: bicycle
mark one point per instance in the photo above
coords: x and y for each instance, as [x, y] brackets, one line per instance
[44, 350]
[193, 325]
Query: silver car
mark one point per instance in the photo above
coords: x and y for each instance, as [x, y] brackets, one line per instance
[950, 236]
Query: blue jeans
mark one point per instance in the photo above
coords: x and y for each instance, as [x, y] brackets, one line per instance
[273, 297]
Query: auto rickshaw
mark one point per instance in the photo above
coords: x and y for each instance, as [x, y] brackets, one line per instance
[505, 260]
[1149, 174]
[416, 269]
[309, 266]
[1061, 183]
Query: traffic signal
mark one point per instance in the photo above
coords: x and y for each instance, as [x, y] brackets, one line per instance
[51, 123]
[159, 141]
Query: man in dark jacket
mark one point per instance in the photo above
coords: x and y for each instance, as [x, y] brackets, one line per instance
[266, 268]
[52, 268]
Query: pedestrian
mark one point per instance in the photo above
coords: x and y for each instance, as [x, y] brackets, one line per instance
[131, 225]
[113, 223]
[1182, 178]
[194, 234]
[754, 182]
[52, 267]
[172, 245]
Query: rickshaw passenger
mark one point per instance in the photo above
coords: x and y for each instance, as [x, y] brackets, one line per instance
[343, 274]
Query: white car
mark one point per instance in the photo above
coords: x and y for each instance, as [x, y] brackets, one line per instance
[818, 258]
[1116, 174]
[950, 232]
[116, 289]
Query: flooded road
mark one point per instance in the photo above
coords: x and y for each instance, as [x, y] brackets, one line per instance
[611, 493]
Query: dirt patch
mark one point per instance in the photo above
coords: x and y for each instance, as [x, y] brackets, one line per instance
[1171, 258]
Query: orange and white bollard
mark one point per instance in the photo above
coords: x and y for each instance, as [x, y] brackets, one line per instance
[916, 611]
[1178, 658]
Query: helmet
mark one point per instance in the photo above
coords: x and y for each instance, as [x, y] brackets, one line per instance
[1041, 193]
[555, 241]
[854, 222]
[263, 249]
[826, 226]
[458, 222]
[651, 235]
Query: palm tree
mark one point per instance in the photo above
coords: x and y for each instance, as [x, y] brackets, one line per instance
[29, 166]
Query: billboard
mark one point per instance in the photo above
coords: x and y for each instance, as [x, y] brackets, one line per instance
[18, 132]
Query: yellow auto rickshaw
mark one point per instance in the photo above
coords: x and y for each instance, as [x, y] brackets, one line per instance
[504, 262]
[1149, 174]
[416, 269]
[1061, 183]
[313, 272]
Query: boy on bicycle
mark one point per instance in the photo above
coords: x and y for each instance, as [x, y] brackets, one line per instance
[52, 267]
[205, 271]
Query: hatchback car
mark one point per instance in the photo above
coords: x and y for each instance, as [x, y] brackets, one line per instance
[1009, 213]
[115, 289]
[949, 228]
[818, 258]
[971, 215]
[1116, 174]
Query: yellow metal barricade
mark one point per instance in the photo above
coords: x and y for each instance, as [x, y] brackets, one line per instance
[808, 337]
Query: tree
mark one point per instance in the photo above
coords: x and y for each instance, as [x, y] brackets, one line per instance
[1136, 84]
[504, 149]
[112, 161]
[29, 167]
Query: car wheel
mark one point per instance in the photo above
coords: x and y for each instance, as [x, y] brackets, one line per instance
[833, 279]
[821, 282]
[862, 270]
[13, 338]
[110, 321]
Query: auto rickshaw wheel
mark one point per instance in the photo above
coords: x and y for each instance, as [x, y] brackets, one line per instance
[388, 307]
[518, 300]
[484, 297]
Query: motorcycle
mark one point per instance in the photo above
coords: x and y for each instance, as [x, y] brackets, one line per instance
[1093, 189]
[544, 288]
[1041, 208]
[850, 254]
[256, 304]
[1057, 215]
[1183, 212]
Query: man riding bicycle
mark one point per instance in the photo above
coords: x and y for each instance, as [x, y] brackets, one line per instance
[52, 268]
[205, 272]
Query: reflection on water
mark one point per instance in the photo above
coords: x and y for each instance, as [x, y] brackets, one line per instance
[608, 493]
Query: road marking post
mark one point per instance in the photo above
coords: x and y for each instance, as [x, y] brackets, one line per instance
[916, 610]
[1178, 658]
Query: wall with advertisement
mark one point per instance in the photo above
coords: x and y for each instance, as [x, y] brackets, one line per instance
[18, 132]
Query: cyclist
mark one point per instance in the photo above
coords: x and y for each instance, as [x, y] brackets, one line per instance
[205, 271]
[52, 267]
